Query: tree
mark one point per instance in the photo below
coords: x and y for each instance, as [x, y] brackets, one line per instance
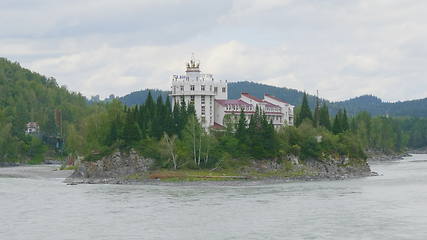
[168, 145]
[316, 120]
[241, 131]
[324, 119]
[305, 112]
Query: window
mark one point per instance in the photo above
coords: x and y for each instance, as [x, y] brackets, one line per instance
[203, 120]
[215, 89]
[174, 89]
[210, 88]
[202, 87]
[182, 99]
[192, 87]
[223, 89]
[203, 110]
[192, 99]
[182, 88]
[203, 99]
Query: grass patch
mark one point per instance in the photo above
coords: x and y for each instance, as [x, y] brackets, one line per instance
[68, 168]
[196, 175]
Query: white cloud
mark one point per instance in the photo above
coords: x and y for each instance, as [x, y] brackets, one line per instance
[341, 48]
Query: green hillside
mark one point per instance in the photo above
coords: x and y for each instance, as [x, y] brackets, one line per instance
[25, 97]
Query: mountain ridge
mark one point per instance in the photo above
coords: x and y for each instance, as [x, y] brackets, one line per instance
[368, 102]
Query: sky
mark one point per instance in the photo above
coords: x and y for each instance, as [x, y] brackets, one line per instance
[343, 48]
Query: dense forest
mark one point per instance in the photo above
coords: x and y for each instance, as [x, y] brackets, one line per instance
[26, 96]
[173, 136]
[175, 139]
[366, 103]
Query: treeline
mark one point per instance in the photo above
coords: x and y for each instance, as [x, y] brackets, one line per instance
[175, 138]
[380, 133]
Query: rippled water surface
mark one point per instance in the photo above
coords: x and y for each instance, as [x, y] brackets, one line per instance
[391, 206]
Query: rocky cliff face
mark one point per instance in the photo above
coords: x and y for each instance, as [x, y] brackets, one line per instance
[116, 165]
[338, 170]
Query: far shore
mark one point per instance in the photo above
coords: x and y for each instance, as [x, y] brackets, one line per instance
[44, 171]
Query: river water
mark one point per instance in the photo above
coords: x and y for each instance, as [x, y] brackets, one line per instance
[390, 206]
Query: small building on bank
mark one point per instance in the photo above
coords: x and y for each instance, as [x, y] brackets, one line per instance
[32, 128]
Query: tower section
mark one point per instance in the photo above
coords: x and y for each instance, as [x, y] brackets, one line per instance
[199, 89]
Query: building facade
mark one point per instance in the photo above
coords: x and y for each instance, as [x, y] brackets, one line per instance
[210, 100]
[276, 110]
[198, 89]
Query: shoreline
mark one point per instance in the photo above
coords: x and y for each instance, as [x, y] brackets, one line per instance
[234, 182]
[46, 171]
[41, 171]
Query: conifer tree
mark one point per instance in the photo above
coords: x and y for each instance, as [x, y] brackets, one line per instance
[241, 131]
[130, 131]
[337, 128]
[344, 121]
[316, 121]
[324, 119]
[176, 119]
[305, 112]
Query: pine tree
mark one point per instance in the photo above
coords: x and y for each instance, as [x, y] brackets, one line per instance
[324, 119]
[344, 121]
[336, 128]
[130, 131]
[305, 112]
[168, 123]
[241, 131]
[316, 121]
[176, 119]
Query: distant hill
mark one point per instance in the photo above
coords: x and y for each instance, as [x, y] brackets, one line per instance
[139, 97]
[369, 103]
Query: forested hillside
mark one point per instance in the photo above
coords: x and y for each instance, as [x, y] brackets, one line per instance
[26, 96]
[138, 97]
[368, 103]
[89, 129]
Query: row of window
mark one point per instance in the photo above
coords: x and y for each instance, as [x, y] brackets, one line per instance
[238, 108]
[202, 88]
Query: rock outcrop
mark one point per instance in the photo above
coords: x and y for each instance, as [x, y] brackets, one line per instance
[338, 170]
[374, 156]
[115, 166]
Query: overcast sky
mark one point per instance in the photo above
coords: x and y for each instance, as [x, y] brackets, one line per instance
[343, 48]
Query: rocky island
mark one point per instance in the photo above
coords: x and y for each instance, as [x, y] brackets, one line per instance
[131, 168]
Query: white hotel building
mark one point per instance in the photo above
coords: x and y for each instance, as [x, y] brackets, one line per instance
[212, 106]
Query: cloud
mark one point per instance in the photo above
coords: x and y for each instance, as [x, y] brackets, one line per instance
[341, 48]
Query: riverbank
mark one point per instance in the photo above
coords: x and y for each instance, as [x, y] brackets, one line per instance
[35, 171]
[375, 156]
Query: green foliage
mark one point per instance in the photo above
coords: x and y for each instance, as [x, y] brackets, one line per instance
[27, 96]
[324, 118]
[305, 112]
[97, 129]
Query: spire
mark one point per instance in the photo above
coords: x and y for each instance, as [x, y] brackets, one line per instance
[193, 65]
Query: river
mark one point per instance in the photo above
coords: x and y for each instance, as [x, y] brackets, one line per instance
[390, 206]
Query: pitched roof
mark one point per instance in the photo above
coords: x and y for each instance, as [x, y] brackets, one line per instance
[269, 104]
[275, 98]
[251, 97]
[232, 102]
